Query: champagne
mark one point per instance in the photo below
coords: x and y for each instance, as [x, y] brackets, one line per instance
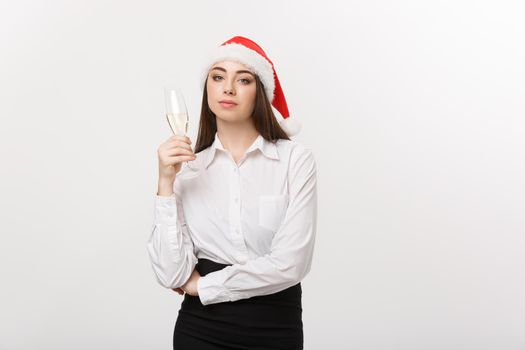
[178, 123]
[177, 116]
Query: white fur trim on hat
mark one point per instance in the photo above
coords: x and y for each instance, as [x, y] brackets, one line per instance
[291, 126]
[240, 53]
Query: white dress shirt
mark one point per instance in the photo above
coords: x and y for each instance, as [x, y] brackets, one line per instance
[259, 215]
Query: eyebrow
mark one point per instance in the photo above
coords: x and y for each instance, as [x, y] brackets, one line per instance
[238, 72]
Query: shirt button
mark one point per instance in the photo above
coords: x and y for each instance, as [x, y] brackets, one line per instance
[236, 199]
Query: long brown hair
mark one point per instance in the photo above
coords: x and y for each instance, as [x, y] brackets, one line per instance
[263, 117]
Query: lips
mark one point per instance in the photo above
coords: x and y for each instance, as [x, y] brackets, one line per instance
[227, 103]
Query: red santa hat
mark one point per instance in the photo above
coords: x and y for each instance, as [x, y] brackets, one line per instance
[247, 52]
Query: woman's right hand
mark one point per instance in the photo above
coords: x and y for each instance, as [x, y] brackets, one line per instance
[172, 153]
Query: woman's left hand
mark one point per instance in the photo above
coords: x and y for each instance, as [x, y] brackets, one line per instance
[190, 287]
[178, 290]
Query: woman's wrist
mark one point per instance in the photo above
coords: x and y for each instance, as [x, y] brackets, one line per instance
[165, 187]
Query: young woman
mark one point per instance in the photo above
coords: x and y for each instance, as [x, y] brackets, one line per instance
[235, 230]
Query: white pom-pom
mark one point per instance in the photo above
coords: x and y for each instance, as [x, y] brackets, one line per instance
[290, 125]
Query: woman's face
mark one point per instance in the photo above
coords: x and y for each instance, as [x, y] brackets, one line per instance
[231, 81]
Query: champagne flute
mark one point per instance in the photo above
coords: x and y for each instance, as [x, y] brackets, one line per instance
[177, 113]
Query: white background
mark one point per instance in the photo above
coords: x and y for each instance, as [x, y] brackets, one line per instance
[414, 111]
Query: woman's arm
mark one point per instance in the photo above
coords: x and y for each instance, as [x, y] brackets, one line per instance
[292, 246]
[170, 247]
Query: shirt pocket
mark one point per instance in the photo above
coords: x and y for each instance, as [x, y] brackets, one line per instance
[272, 209]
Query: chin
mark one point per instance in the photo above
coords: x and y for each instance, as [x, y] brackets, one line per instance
[228, 119]
[231, 118]
[226, 114]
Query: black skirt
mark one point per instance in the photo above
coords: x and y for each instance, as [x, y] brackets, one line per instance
[271, 321]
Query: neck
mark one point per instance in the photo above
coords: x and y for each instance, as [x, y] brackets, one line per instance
[236, 137]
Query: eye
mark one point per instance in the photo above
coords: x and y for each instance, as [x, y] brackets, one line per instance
[216, 76]
[245, 81]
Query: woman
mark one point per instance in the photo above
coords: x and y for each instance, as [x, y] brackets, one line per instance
[235, 230]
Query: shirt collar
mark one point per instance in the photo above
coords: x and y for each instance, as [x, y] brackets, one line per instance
[268, 149]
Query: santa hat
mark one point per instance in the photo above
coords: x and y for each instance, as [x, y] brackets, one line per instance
[247, 52]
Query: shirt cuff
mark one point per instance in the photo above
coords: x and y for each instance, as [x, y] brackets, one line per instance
[211, 290]
[165, 211]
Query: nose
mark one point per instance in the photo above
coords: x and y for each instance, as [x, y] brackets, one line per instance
[228, 88]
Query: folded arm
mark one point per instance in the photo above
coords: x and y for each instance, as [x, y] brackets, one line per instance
[291, 251]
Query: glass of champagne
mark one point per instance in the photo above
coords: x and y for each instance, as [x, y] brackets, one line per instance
[177, 114]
